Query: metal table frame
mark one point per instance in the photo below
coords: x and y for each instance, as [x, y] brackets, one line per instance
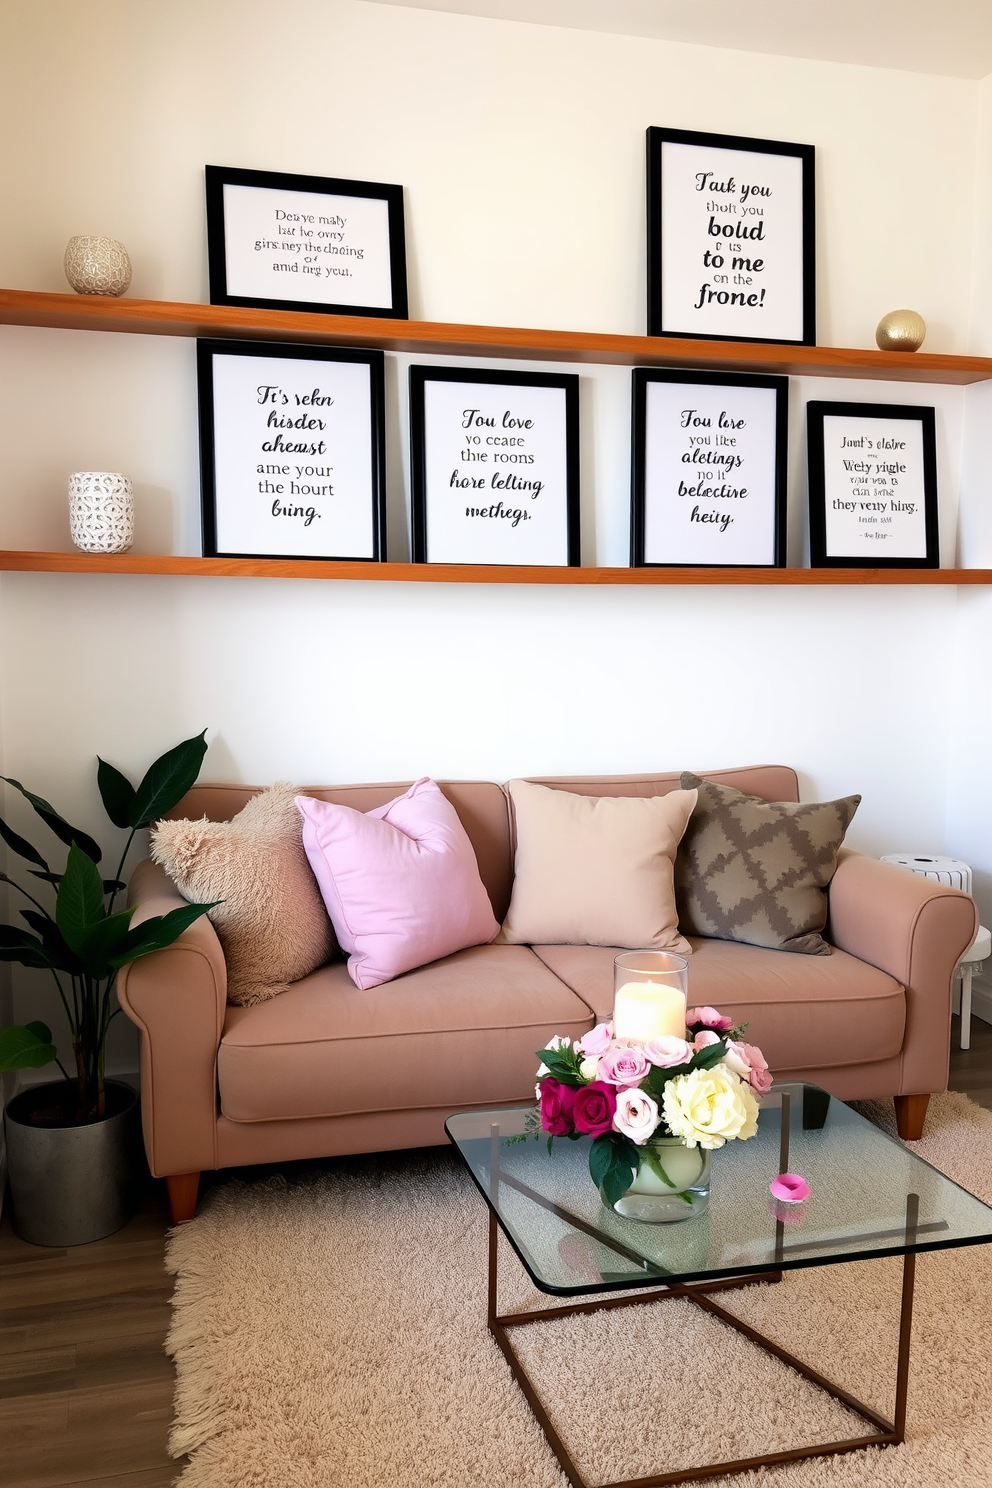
[886, 1432]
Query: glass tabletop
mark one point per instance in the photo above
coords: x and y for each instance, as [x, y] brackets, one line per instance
[861, 1205]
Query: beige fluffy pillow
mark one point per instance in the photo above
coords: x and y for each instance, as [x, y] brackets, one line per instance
[596, 870]
[272, 924]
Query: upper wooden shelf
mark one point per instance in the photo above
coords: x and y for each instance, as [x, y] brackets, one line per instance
[17, 561]
[160, 318]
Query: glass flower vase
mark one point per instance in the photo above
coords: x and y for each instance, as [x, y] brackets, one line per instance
[672, 1183]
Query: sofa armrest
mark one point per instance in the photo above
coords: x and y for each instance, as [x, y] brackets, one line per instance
[177, 997]
[917, 931]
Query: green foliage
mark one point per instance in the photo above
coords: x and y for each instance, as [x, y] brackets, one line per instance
[613, 1161]
[563, 1065]
[83, 939]
[29, 1047]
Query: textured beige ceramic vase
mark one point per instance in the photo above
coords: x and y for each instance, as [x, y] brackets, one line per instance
[900, 330]
[97, 266]
[101, 511]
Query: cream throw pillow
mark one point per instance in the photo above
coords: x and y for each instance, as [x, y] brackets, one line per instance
[596, 870]
[272, 922]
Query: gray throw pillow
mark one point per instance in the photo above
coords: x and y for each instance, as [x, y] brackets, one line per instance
[755, 871]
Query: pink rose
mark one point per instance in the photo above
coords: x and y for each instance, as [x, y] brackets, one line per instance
[709, 1017]
[668, 1052]
[557, 1107]
[737, 1060]
[760, 1078]
[620, 1066]
[593, 1108]
[704, 1039]
[597, 1040]
[636, 1115]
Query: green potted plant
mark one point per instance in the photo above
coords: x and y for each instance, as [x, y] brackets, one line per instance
[72, 1144]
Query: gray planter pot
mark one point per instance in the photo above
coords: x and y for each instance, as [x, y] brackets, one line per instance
[72, 1184]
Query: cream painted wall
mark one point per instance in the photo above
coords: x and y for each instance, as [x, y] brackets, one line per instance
[522, 152]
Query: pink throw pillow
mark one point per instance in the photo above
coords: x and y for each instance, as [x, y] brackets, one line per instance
[401, 883]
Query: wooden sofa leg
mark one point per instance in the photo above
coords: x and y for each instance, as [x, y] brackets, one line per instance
[183, 1189]
[911, 1112]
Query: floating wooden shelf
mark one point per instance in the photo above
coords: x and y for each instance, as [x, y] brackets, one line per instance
[16, 561]
[161, 318]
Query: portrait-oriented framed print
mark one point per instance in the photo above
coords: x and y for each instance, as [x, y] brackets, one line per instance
[731, 241]
[495, 466]
[288, 242]
[872, 485]
[291, 451]
[709, 469]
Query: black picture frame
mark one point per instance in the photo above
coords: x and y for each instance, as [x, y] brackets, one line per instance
[236, 423]
[439, 526]
[676, 520]
[678, 241]
[241, 208]
[847, 530]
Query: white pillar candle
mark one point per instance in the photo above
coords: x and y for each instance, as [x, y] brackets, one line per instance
[648, 1010]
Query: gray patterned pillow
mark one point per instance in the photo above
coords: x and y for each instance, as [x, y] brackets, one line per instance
[755, 871]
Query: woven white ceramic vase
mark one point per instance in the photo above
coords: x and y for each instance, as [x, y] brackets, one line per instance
[101, 511]
[98, 266]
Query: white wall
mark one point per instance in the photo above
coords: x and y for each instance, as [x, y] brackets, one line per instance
[521, 149]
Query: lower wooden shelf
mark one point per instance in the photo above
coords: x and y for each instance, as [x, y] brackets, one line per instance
[21, 561]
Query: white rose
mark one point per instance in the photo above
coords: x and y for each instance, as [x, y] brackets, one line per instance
[636, 1115]
[708, 1107]
[589, 1068]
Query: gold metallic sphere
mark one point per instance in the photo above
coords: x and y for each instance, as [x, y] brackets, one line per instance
[901, 330]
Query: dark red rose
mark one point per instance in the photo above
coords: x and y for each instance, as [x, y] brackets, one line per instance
[593, 1108]
[557, 1101]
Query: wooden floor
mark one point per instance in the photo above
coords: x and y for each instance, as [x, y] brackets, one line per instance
[86, 1385]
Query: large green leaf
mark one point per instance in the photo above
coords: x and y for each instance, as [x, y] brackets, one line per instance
[21, 846]
[59, 954]
[158, 932]
[103, 943]
[79, 904]
[26, 1047]
[116, 792]
[613, 1161]
[58, 824]
[18, 945]
[167, 781]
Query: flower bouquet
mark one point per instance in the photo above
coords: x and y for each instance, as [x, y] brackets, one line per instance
[654, 1110]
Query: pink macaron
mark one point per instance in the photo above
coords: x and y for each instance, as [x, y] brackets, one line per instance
[791, 1188]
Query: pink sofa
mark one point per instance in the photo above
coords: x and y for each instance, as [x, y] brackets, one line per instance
[326, 1069]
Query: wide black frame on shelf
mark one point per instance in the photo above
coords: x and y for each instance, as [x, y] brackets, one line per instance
[774, 497]
[221, 244]
[306, 407]
[736, 308]
[880, 471]
[421, 494]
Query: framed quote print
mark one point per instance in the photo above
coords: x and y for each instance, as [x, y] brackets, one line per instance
[731, 245]
[290, 242]
[291, 451]
[872, 485]
[495, 466]
[709, 463]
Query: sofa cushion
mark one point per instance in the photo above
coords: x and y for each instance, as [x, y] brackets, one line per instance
[595, 870]
[462, 1032]
[755, 871]
[271, 920]
[803, 1012]
[401, 882]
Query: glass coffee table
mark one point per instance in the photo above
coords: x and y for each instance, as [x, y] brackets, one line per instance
[870, 1196]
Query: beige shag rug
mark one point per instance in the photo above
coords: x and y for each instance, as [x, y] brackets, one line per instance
[330, 1332]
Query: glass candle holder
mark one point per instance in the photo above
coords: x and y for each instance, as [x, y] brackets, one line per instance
[649, 995]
